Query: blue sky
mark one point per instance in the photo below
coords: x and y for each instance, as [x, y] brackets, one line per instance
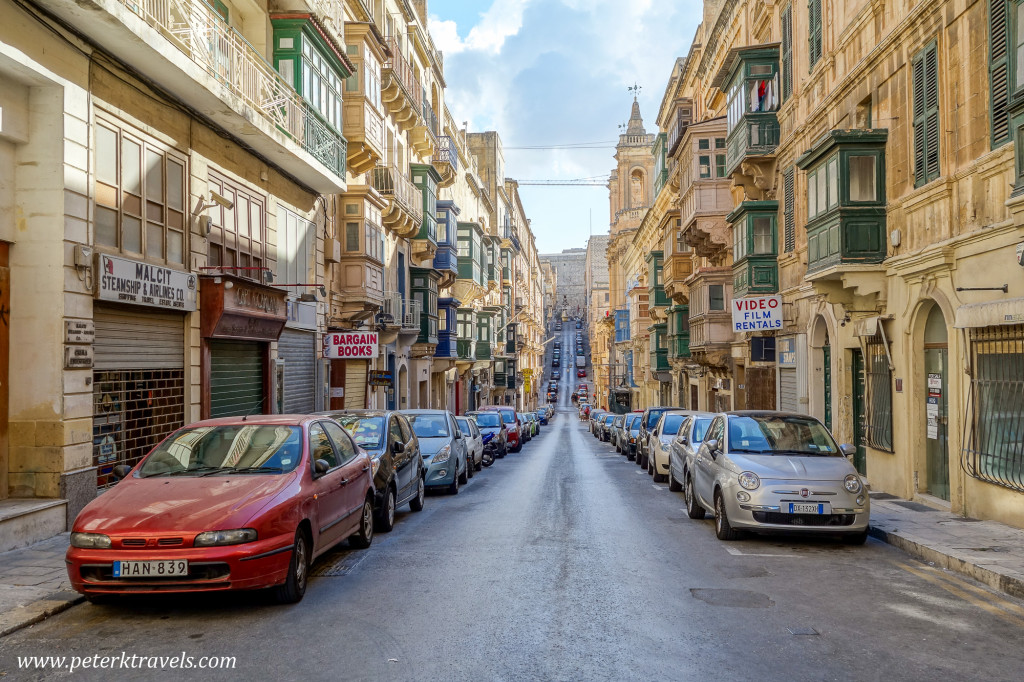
[555, 72]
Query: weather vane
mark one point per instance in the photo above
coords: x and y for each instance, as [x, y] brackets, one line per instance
[635, 89]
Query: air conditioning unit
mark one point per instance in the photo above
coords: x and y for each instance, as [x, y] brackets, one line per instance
[332, 250]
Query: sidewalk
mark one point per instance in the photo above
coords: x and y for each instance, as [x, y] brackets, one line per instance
[34, 584]
[987, 551]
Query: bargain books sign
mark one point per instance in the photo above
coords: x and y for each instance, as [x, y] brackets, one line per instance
[351, 345]
[757, 313]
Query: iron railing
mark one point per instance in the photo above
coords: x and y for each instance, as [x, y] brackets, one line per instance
[431, 118]
[445, 153]
[398, 67]
[878, 421]
[392, 183]
[205, 38]
[392, 308]
[994, 452]
[411, 314]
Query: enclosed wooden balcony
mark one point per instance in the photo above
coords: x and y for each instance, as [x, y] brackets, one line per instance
[364, 130]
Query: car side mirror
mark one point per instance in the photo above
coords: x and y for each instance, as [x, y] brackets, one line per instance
[321, 467]
[458, 436]
[121, 471]
[398, 447]
[848, 450]
[712, 446]
[684, 440]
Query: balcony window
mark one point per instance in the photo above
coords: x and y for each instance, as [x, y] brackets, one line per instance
[466, 323]
[863, 185]
[704, 163]
[296, 246]
[716, 297]
[312, 66]
[237, 235]
[704, 143]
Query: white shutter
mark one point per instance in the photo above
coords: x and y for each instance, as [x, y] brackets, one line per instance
[126, 339]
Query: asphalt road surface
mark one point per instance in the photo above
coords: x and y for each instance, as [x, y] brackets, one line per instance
[565, 562]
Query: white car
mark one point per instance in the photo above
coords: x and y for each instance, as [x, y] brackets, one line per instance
[474, 443]
[660, 442]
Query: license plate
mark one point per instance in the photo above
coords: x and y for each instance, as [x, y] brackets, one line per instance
[150, 569]
[807, 508]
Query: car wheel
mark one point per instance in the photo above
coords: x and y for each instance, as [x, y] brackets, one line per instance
[453, 489]
[673, 484]
[416, 504]
[479, 466]
[630, 455]
[464, 476]
[294, 586]
[618, 449]
[723, 530]
[856, 538]
[470, 468]
[364, 536]
[693, 508]
[650, 464]
[386, 517]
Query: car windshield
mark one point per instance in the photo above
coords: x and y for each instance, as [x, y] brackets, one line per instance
[212, 450]
[609, 418]
[487, 420]
[366, 431]
[781, 435]
[652, 418]
[464, 425]
[429, 425]
[700, 427]
[633, 423]
[672, 424]
[508, 416]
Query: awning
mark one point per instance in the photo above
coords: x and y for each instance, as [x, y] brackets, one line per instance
[990, 314]
[866, 327]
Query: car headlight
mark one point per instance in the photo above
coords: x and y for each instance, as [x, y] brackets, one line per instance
[852, 483]
[216, 538]
[442, 455]
[90, 541]
[749, 480]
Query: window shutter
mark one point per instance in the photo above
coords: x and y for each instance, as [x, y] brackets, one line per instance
[814, 31]
[787, 53]
[920, 141]
[931, 98]
[998, 71]
[789, 217]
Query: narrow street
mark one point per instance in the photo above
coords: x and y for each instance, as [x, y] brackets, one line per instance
[565, 562]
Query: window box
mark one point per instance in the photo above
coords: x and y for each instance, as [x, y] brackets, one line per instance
[845, 198]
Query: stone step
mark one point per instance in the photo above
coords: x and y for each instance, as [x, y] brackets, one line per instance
[25, 521]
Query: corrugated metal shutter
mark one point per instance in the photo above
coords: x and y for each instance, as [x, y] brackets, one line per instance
[297, 349]
[788, 399]
[355, 384]
[126, 339]
[236, 378]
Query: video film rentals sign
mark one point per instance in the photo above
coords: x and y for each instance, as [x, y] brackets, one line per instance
[757, 313]
[129, 281]
[351, 345]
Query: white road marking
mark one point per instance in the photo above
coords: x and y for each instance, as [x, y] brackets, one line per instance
[736, 552]
[658, 487]
[640, 472]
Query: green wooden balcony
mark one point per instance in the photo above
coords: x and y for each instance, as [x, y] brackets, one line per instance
[465, 349]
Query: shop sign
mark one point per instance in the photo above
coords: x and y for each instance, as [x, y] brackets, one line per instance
[129, 281]
[351, 345]
[79, 331]
[301, 315]
[787, 352]
[78, 357]
[757, 313]
[380, 378]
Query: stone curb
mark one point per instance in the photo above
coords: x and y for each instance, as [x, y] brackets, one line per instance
[1009, 584]
[35, 612]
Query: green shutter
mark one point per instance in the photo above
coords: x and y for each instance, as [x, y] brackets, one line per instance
[925, 75]
[789, 208]
[787, 53]
[236, 378]
[998, 71]
[814, 31]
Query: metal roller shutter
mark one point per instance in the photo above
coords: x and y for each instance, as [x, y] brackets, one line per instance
[236, 378]
[298, 350]
[788, 400]
[355, 384]
[130, 340]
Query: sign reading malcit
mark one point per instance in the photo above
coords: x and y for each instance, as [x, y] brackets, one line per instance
[129, 281]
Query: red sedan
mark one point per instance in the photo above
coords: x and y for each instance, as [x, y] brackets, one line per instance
[581, 372]
[226, 504]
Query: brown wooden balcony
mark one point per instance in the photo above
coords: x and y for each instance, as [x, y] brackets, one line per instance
[677, 268]
[364, 129]
[401, 92]
[404, 212]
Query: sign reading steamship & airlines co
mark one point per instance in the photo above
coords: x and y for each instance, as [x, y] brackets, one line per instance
[129, 281]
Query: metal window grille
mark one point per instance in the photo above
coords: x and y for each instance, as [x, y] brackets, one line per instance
[133, 410]
[878, 426]
[996, 445]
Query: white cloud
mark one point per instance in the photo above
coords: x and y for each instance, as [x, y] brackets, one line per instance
[446, 36]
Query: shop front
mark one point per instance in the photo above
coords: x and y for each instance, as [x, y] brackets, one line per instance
[239, 319]
[136, 348]
[349, 354]
[300, 374]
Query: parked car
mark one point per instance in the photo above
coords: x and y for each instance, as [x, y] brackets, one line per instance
[555, 363]
[533, 423]
[683, 451]
[660, 442]
[595, 418]
[542, 416]
[580, 373]
[525, 430]
[398, 469]
[621, 438]
[443, 448]
[632, 428]
[616, 426]
[508, 415]
[492, 431]
[606, 425]
[776, 471]
[647, 424]
[474, 443]
[254, 499]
